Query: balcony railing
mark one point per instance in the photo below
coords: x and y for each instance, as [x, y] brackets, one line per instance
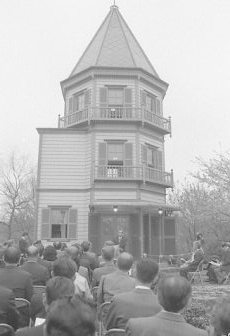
[141, 173]
[116, 114]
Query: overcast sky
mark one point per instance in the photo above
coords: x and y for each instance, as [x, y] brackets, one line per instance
[187, 42]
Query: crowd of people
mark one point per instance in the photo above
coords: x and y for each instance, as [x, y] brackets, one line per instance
[77, 283]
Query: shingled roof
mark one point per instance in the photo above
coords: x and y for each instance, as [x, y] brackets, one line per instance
[114, 45]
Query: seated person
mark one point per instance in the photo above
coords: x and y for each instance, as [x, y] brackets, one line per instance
[217, 271]
[174, 294]
[220, 320]
[140, 302]
[57, 288]
[192, 264]
[118, 281]
[108, 267]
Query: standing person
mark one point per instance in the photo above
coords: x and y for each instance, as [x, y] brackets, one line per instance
[140, 302]
[121, 240]
[174, 294]
[118, 281]
[24, 243]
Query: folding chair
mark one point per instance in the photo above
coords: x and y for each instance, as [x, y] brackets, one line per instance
[6, 330]
[197, 272]
[115, 332]
[39, 289]
[102, 314]
[23, 307]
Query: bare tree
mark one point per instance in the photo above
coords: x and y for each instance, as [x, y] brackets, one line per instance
[17, 183]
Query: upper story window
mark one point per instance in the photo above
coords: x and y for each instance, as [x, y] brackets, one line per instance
[115, 153]
[150, 102]
[78, 101]
[152, 157]
[115, 97]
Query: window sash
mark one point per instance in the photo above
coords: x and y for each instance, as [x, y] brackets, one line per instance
[115, 97]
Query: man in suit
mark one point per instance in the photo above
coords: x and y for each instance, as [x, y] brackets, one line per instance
[56, 288]
[174, 294]
[40, 274]
[88, 258]
[24, 243]
[191, 265]
[140, 302]
[108, 265]
[118, 281]
[8, 311]
[13, 277]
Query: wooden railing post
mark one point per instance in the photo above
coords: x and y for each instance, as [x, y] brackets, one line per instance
[170, 126]
[59, 121]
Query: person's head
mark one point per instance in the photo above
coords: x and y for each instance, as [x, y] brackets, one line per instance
[174, 293]
[109, 243]
[40, 247]
[199, 236]
[57, 245]
[146, 270]
[124, 261]
[50, 253]
[12, 255]
[75, 317]
[107, 253]
[25, 235]
[197, 245]
[73, 252]
[58, 287]
[85, 245]
[32, 252]
[64, 267]
[225, 246]
[220, 320]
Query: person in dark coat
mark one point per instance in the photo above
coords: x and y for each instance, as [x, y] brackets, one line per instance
[13, 277]
[108, 265]
[174, 294]
[40, 274]
[140, 302]
[8, 311]
[24, 243]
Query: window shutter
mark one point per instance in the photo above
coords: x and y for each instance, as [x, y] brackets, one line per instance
[158, 160]
[45, 229]
[144, 154]
[158, 107]
[70, 109]
[75, 103]
[103, 96]
[102, 157]
[143, 98]
[128, 154]
[87, 97]
[72, 227]
[128, 96]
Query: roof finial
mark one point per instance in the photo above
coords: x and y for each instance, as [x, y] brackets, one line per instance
[114, 3]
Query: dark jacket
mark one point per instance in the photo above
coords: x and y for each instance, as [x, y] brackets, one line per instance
[16, 279]
[8, 311]
[107, 268]
[140, 302]
[40, 274]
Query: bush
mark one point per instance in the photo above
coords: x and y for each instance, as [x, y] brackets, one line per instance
[196, 314]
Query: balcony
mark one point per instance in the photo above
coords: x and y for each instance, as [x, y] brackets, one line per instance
[127, 173]
[94, 114]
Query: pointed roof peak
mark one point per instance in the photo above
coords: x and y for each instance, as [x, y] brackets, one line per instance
[114, 46]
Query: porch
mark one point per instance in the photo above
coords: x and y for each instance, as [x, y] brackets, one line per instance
[149, 228]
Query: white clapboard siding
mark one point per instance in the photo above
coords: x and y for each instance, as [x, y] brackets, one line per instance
[77, 200]
[65, 161]
[152, 197]
[115, 195]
